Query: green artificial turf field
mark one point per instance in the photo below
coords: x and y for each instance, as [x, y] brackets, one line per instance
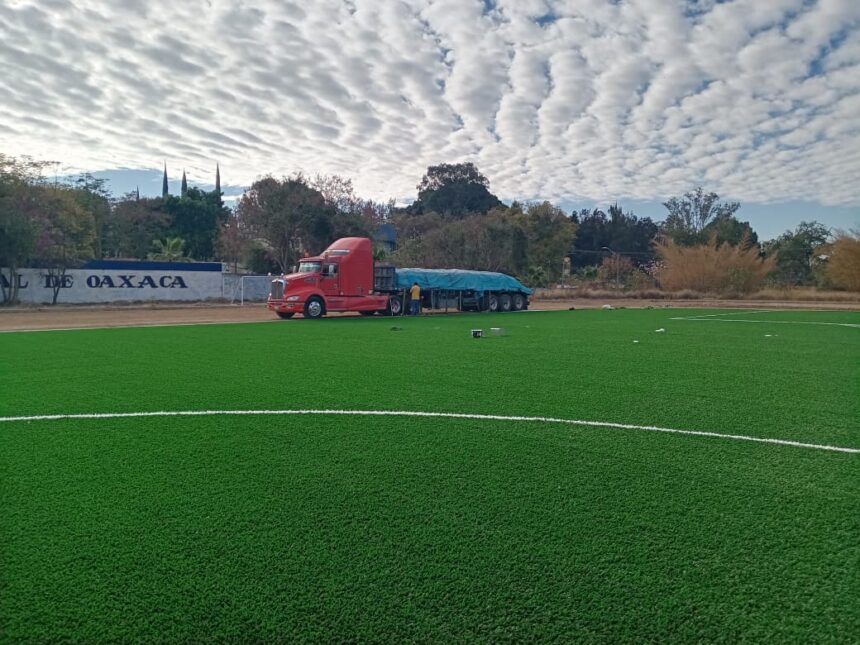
[324, 527]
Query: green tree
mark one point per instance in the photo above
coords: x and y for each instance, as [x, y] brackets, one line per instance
[689, 215]
[288, 216]
[454, 190]
[624, 233]
[18, 220]
[67, 234]
[795, 253]
[93, 196]
[196, 217]
[726, 229]
[132, 225]
[550, 234]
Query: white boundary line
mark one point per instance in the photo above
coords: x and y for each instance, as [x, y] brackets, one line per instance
[768, 322]
[741, 312]
[139, 326]
[443, 415]
[719, 318]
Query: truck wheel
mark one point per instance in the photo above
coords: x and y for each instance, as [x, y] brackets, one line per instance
[505, 302]
[492, 303]
[395, 306]
[518, 301]
[284, 315]
[314, 308]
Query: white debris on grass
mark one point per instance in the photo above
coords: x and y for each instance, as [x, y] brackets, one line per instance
[660, 331]
[608, 307]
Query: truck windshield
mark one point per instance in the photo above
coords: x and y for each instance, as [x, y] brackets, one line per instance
[309, 267]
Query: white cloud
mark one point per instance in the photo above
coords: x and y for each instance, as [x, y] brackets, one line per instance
[565, 100]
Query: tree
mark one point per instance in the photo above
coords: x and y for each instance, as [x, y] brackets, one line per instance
[233, 242]
[92, 195]
[196, 217]
[616, 268]
[445, 174]
[624, 233]
[689, 215]
[795, 253]
[454, 190]
[18, 223]
[550, 234]
[67, 234]
[729, 230]
[288, 216]
[132, 225]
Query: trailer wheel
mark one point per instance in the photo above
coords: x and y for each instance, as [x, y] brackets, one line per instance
[504, 302]
[492, 303]
[285, 315]
[519, 302]
[395, 306]
[314, 308]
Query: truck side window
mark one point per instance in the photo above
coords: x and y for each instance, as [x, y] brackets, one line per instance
[330, 270]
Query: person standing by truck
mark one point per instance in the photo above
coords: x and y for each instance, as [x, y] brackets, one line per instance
[415, 299]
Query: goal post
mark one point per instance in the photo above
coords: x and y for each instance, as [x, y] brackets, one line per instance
[250, 288]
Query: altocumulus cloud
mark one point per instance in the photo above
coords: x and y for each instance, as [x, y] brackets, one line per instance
[576, 99]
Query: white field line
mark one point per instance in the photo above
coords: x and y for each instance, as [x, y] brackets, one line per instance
[769, 322]
[742, 312]
[139, 325]
[442, 415]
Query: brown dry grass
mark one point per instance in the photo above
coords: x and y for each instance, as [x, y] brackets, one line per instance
[712, 268]
[798, 294]
[843, 267]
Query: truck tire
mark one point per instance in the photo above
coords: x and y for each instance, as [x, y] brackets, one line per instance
[505, 302]
[492, 303]
[284, 315]
[519, 301]
[395, 306]
[314, 308]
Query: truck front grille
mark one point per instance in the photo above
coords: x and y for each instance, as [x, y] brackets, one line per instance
[277, 292]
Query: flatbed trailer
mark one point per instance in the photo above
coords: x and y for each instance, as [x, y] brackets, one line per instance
[345, 278]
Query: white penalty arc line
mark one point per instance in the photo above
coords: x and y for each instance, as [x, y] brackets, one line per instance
[438, 415]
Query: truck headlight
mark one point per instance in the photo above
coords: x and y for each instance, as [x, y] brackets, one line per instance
[292, 298]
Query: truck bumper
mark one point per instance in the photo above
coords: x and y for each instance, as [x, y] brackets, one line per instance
[285, 307]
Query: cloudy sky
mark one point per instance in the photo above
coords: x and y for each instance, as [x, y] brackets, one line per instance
[575, 101]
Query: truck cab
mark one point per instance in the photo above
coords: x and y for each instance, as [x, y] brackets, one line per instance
[339, 279]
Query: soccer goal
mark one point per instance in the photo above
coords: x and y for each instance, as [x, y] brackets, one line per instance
[249, 288]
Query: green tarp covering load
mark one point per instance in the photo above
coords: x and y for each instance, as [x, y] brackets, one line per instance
[458, 280]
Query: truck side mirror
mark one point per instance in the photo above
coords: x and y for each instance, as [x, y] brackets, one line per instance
[295, 268]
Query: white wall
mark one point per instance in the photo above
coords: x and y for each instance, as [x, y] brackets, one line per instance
[116, 285]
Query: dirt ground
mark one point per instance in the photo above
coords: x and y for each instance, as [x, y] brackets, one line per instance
[81, 317]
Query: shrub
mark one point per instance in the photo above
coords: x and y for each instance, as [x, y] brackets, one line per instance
[843, 266]
[616, 269]
[709, 268]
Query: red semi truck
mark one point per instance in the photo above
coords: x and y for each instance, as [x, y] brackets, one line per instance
[345, 278]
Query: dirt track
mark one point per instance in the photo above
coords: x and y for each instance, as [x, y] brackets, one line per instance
[81, 317]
